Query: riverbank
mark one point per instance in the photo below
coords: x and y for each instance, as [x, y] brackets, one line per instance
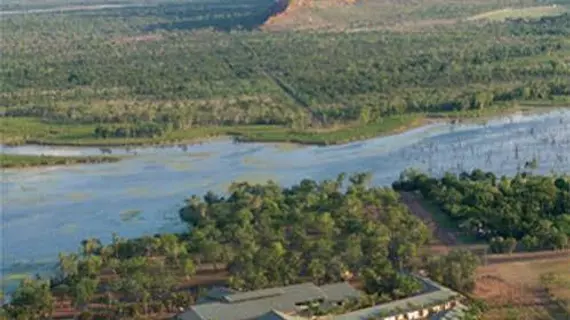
[20, 131]
[501, 110]
[339, 135]
[47, 211]
[26, 161]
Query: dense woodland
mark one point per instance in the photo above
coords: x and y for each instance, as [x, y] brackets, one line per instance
[264, 235]
[273, 236]
[130, 66]
[530, 211]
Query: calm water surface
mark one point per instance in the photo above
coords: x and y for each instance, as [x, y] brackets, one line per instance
[48, 210]
[69, 8]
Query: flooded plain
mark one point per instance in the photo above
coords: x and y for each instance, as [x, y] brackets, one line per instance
[48, 210]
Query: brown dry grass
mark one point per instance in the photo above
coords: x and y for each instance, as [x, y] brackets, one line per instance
[515, 289]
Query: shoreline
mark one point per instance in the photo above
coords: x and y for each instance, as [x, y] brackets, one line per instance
[298, 138]
[413, 124]
[19, 161]
[237, 177]
[527, 109]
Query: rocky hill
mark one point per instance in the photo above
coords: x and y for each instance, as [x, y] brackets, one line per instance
[288, 12]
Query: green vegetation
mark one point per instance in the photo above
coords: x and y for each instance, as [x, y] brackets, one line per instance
[258, 236]
[29, 130]
[156, 74]
[272, 236]
[529, 210]
[388, 125]
[444, 221]
[20, 161]
[34, 300]
[522, 13]
[456, 270]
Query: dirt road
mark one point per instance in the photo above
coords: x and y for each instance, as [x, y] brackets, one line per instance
[448, 241]
[444, 236]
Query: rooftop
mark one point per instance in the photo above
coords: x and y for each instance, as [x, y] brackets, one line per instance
[276, 315]
[260, 303]
[432, 294]
[284, 302]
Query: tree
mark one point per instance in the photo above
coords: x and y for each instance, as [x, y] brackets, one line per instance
[68, 265]
[405, 286]
[172, 247]
[335, 270]
[530, 243]
[501, 245]
[189, 268]
[316, 270]
[455, 270]
[31, 300]
[91, 246]
[83, 292]
[527, 208]
[90, 266]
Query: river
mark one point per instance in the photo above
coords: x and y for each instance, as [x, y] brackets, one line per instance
[70, 8]
[48, 210]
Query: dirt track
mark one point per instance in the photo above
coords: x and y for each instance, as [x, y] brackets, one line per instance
[528, 256]
[444, 236]
[448, 241]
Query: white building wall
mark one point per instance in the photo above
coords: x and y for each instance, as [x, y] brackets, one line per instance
[413, 315]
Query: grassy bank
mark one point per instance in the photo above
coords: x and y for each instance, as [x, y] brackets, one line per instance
[33, 131]
[498, 110]
[344, 134]
[24, 161]
[20, 130]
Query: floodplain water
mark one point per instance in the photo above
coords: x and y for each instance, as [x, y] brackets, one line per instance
[48, 210]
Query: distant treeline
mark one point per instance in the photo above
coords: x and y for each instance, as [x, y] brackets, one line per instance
[298, 79]
[144, 130]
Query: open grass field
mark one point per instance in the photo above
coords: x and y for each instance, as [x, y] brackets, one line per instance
[517, 290]
[534, 12]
